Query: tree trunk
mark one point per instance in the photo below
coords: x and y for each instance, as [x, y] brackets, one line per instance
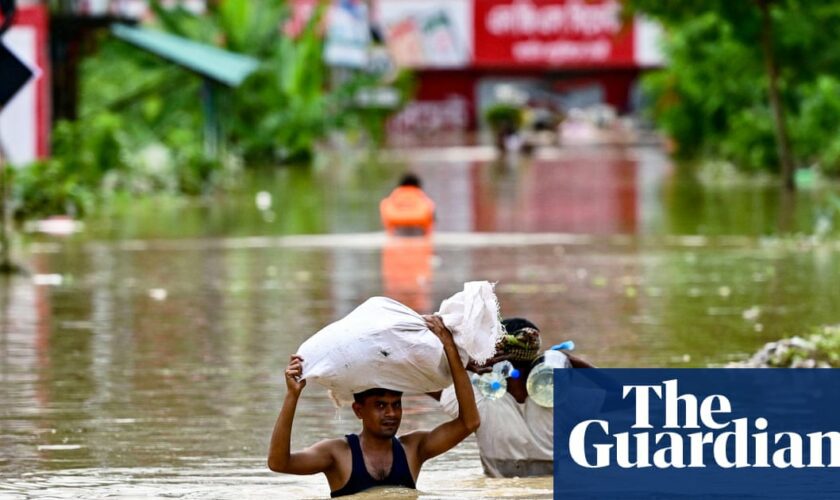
[782, 142]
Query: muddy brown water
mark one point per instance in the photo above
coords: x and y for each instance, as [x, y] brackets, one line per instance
[144, 357]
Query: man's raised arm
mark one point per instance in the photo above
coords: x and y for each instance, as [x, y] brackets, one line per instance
[312, 460]
[449, 434]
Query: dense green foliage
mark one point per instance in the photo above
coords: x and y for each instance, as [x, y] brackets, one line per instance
[713, 98]
[141, 122]
[282, 109]
[503, 116]
[503, 119]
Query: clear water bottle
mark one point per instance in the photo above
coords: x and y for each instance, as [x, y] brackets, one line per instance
[540, 382]
[493, 384]
[506, 369]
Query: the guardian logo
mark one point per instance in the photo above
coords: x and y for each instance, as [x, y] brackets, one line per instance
[696, 433]
[717, 430]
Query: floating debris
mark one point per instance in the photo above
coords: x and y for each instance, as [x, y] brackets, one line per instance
[60, 225]
[630, 292]
[724, 291]
[752, 313]
[158, 294]
[263, 200]
[685, 358]
[820, 350]
[58, 447]
[47, 279]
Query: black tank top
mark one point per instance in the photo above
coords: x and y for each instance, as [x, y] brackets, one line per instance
[360, 480]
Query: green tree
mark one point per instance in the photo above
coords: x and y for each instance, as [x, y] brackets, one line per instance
[738, 75]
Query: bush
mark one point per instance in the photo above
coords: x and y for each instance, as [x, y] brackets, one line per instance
[503, 117]
[751, 143]
[816, 129]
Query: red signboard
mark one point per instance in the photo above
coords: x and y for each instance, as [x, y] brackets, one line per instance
[552, 34]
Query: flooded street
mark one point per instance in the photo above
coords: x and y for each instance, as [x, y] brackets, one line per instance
[144, 357]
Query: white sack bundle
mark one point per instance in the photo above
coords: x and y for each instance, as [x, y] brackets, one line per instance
[383, 343]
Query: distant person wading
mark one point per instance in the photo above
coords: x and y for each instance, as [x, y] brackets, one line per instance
[407, 211]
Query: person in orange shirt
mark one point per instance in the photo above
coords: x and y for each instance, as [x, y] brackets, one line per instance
[408, 216]
[407, 211]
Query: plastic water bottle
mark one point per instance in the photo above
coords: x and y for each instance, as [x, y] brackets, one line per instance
[540, 382]
[493, 385]
[506, 369]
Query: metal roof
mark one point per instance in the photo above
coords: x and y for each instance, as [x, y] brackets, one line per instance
[212, 62]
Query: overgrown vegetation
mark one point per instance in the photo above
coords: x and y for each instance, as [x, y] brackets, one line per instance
[141, 125]
[746, 79]
[503, 119]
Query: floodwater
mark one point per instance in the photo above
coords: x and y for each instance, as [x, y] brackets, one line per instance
[144, 357]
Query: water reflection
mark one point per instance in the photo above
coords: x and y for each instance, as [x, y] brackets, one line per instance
[407, 271]
[153, 367]
[629, 191]
[576, 193]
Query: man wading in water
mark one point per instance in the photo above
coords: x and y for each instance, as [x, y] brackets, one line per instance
[516, 438]
[374, 457]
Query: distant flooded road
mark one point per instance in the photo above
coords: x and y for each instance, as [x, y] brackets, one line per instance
[144, 357]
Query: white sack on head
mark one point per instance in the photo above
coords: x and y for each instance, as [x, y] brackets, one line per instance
[473, 316]
[383, 343]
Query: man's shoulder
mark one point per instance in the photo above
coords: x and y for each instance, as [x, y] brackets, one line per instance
[333, 444]
[410, 439]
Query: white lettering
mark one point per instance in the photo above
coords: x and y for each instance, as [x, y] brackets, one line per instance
[697, 441]
[574, 18]
[622, 450]
[425, 116]
[733, 449]
[561, 51]
[577, 445]
[707, 410]
[721, 446]
[790, 456]
[760, 440]
[671, 455]
[815, 439]
[642, 403]
[672, 410]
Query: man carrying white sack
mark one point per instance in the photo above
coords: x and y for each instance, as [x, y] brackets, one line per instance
[374, 457]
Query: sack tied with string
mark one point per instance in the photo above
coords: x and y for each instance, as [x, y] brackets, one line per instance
[383, 343]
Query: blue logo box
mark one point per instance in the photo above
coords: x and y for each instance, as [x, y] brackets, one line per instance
[697, 433]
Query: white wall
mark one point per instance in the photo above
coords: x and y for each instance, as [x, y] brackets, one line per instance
[18, 120]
